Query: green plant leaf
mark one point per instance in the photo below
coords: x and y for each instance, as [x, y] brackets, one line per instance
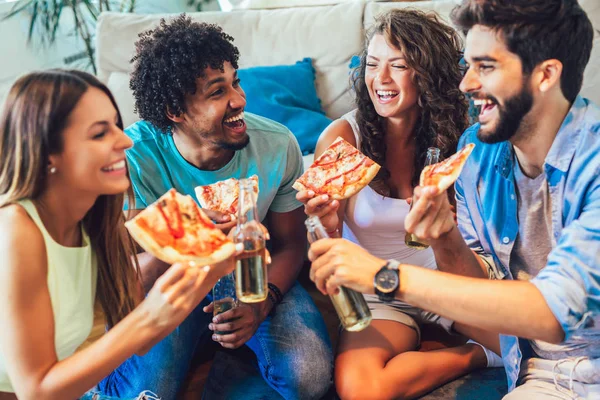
[33, 20]
[58, 8]
[17, 8]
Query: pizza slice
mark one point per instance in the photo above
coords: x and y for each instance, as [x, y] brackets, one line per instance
[174, 229]
[445, 173]
[340, 172]
[223, 196]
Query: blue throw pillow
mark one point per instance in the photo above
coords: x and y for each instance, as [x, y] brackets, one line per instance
[287, 94]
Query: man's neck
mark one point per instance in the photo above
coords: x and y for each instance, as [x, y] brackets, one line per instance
[537, 133]
[201, 153]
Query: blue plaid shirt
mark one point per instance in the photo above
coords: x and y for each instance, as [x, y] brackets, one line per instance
[487, 218]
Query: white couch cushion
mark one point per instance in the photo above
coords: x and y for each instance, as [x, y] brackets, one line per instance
[329, 35]
[442, 8]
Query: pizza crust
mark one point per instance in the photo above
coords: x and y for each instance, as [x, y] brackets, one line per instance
[171, 256]
[223, 195]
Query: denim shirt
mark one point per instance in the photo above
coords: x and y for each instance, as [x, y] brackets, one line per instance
[487, 219]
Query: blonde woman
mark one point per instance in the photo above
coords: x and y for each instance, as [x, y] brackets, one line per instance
[64, 247]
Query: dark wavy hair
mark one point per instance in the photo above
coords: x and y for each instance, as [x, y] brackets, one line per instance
[537, 30]
[168, 61]
[433, 51]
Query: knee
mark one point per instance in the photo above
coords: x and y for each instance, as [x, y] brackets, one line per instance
[358, 383]
[309, 380]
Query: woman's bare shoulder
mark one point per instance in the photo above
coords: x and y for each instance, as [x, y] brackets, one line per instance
[20, 237]
[338, 128]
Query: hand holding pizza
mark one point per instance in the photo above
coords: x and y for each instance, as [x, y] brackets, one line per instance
[222, 221]
[432, 216]
[321, 206]
[174, 295]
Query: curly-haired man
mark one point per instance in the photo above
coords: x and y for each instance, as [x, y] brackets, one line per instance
[194, 132]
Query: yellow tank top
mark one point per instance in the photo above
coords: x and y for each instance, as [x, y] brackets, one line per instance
[72, 275]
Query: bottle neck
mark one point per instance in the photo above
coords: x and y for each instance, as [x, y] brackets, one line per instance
[315, 229]
[247, 211]
[433, 156]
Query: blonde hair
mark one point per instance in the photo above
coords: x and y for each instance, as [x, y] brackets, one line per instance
[35, 112]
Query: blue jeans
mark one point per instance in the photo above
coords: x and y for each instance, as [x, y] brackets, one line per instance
[292, 349]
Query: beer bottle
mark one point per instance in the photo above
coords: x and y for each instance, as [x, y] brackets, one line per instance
[351, 307]
[411, 240]
[251, 268]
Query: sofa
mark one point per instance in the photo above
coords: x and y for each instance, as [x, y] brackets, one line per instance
[330, 36]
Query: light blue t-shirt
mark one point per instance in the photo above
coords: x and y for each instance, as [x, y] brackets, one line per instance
[155, 165]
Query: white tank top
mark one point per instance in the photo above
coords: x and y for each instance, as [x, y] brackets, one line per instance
[72, 275]
[376, 222]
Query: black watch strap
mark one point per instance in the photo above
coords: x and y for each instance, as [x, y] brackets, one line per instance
[387, 295]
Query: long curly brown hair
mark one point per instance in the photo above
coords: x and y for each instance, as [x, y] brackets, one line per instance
[433, 51]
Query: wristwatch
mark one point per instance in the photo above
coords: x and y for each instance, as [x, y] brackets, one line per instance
[387, 281]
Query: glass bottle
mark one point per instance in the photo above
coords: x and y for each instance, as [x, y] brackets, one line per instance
[411, 240]
[224, 298]
[350, 305]
[251, 269]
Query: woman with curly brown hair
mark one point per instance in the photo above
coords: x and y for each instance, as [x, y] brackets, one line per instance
[408, 100]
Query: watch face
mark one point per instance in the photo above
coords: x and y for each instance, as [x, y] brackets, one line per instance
[387, 280]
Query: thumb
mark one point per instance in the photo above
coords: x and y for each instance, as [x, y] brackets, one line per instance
[209, 308]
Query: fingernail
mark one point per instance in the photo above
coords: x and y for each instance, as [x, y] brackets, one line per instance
[239, 246]
[311, 193]
[215, 338]
[324, 197]
[215, 320]
[211, 327]
[192, 263]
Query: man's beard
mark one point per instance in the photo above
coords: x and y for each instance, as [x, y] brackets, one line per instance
[220, 142]
[233, 146]
[510, 117]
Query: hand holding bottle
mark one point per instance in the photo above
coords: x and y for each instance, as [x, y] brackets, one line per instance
[321, 206]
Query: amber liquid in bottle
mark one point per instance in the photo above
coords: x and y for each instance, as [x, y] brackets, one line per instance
[411, 240]
[251, 281]
[350, 305]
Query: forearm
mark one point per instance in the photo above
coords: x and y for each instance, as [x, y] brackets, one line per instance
[510, 307]
[454, 256]
[285, 266]
[151, 268]
[73, 376]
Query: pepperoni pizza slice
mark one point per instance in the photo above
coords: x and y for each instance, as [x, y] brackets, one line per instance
[340, 172]
[174, 229]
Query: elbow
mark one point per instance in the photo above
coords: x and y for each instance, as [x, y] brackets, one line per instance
[552, 332]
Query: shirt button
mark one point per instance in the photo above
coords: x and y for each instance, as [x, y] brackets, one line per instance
[505, 240]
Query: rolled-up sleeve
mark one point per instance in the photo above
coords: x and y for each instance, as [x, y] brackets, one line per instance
[570, 282]
[466, 226]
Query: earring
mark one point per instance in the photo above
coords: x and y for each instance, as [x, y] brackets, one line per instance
[52, 170]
